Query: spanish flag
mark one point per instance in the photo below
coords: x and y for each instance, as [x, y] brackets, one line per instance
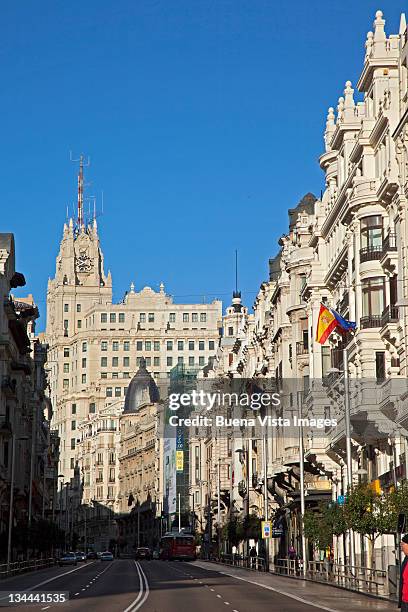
[326, 323]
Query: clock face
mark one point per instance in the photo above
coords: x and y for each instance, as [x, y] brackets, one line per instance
[84, 262]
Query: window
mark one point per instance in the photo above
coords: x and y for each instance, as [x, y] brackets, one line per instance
[126, 362]
[230, 331]
[104, 362]
[66, 326]
[156, 361]
[203, 317]
[139, 345]
[371, 232]
[72, 443]
[125, 375]
[180, 345]
[104, 375]
[211, 345]
[172, 317]
[138, 361]
[148, 345]
[118, 391]
[92, 408]
[104, 345]
[66, 307]
[115, 362]
[72, 463]
[194, 317]
[110, 493]
[84, 362]
[83, 379]
[380, 365]
[156, 345]
[73, 409]
[78, 307]
[73, 425]
[115, 375]
[66, 352]
[148, 361]
[99, 492]
[201, 361]
[373, 297]
[151, 317]
[115, 345]
[326, 360]
[104, 317]
[191, 361]
[112, 317]
[191, 345]
[111, 474]
[79, 324]
[65, 383]
[186, 317]
[169, 361]
[121, 317]
[180, 360]
[169, 345]
[66, 368]
[108, 391]
[84, 347]
[201, 345]
[142, 317]
[126, 345]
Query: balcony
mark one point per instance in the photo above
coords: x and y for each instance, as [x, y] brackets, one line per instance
[390, 242]
[371, 253]
[302, 348]
[390, 315]
[371, 321]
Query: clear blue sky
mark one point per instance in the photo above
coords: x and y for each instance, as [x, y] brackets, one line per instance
[203, 120]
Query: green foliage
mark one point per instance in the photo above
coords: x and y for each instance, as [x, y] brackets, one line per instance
[367, 512]
[233, 531]
[321, 526]
[252, 527]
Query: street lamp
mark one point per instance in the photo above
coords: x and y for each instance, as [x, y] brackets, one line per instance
[10, 525]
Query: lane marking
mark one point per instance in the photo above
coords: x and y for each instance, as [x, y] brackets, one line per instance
[275, 590]
[227, 603]
[76, 593]
[219, 596]
[46, 608]
[141, 587]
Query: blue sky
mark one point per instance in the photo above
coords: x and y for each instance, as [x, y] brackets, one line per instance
[203, 121]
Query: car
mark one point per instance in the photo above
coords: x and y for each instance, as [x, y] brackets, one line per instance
[81, 556]
[156, 554]
[68, 558]
[143, 552]
[106, 556]
[92, 555]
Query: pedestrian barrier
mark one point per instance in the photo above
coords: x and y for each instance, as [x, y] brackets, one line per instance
[20, 567]
[355, 578]
[247, 562]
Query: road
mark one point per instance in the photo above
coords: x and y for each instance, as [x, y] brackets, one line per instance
[162, 586]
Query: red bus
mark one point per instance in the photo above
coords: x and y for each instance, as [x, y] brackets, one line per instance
[178, 546]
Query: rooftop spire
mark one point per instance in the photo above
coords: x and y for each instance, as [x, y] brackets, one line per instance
[403, 24]
[81, 193]
[330, 127]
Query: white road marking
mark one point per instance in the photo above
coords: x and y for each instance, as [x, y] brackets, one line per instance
[46, 608]
[269, 588]
[76, 593]
[143, 590]
[227, 603]
[219, 596]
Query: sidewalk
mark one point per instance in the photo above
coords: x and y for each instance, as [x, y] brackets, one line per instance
[330, 598]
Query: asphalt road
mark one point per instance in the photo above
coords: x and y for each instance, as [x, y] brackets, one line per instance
[162, 586]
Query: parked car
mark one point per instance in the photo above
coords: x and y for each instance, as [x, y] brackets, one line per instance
[143, 552]
[81, 556]
[156, 554]
[92, 555]
[106, 556]
[68, 558]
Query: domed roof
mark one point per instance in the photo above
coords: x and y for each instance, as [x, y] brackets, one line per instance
[142, 390]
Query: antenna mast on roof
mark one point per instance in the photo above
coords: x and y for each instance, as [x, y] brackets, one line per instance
[80, 204]
[236, 270]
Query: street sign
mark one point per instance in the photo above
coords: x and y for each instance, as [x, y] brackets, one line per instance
[179, 439]
[341, 500]
[266, 529]
[179, 461]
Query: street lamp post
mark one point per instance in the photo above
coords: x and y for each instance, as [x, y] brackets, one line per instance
[10, 525]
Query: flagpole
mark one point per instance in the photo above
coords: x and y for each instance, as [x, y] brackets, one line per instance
[348, 446]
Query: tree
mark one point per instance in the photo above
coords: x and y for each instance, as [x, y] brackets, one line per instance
[233, 531]
[321, 526]
[367, 513]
